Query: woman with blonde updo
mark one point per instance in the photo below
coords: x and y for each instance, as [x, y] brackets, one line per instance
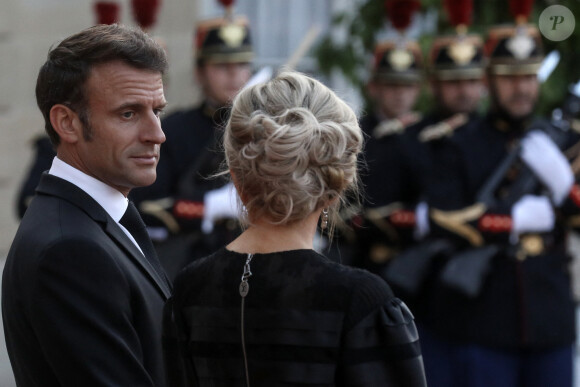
[268, 310]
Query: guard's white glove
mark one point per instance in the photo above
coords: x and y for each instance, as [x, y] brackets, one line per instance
[548, 163]
[532, 213]
[219, 204]
[421, 220]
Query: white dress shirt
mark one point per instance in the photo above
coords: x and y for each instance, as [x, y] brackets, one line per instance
[112, 201]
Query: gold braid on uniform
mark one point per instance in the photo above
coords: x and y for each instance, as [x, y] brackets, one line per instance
[575, 125]
[573, 152]
[457, 222]
[161, 209]
[388, 128]
[443, 128]
[377, 217]
[573, 221]
[396, 125]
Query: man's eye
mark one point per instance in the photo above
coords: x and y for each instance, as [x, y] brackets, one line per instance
[158, 112]
[128, 114]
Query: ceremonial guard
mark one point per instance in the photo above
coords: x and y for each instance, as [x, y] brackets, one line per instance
[393, 89]
[189, 211]
[400, 175]
[501, 312]
[43, 155]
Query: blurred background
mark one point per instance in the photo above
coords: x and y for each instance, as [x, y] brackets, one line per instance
[330, 39]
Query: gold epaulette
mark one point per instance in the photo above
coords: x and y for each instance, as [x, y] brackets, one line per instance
[443, 128]
[395, 125]
[388, 128]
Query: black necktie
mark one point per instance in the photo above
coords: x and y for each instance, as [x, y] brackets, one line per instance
[132, 221]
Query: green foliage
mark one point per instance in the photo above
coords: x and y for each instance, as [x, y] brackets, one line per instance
[351, 56]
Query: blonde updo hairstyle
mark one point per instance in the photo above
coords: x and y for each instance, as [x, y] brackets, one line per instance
[292, 146]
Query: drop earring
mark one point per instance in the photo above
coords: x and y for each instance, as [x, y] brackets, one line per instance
[324, 219]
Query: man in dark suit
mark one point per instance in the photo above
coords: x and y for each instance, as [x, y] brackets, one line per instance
[82, 292]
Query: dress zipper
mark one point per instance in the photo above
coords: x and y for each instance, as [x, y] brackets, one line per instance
[244, 289]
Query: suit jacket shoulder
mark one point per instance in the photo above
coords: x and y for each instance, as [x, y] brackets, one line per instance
[80, 304]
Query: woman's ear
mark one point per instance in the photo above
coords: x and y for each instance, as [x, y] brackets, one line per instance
[66, 123]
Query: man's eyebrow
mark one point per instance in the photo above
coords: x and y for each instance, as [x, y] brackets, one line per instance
[139, 105]
[130, 105]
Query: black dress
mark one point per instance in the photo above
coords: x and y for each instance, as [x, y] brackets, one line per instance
[308, 321]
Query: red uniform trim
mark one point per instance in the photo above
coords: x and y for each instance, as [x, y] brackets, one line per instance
[403, 218]
[188, 209]
[495, 223]
[575, 195]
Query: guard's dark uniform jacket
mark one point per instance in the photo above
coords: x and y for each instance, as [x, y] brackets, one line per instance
[188, 133]
[525, 300]
[398, 174]
[385, 223]
[43, 155]
[190, 157]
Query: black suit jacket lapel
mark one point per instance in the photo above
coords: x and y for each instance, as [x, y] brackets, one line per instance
[160, 279]
[55, 186]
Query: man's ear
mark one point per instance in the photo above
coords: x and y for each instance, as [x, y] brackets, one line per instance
[66, 123]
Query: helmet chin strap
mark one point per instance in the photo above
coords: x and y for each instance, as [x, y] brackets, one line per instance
[505, 118]
[513, 124]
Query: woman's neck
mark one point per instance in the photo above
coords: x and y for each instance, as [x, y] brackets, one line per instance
[263, 237]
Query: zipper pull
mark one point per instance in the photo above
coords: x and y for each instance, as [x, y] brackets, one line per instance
[244, 285]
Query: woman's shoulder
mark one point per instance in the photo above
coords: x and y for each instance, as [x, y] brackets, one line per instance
[368, 294]
[363, 282]
[197, 269]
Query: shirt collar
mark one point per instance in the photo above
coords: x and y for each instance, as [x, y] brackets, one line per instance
[112, 201]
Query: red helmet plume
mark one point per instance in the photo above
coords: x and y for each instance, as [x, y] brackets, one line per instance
[521, 9]
[400, 12]
[107, 12]
[226, 3]
[145, 12]
[459, 12]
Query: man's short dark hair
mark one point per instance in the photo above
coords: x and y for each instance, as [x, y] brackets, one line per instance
[62, 79]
